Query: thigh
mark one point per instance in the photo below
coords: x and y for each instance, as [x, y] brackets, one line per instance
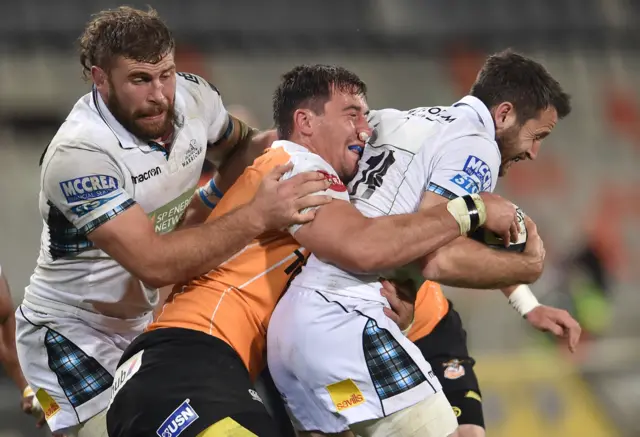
[446, 350]
[432, 417]
[67, 363]
[351, 364]
[184, 382]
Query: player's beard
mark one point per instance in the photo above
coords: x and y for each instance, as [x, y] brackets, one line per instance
[508, 145]
[130, 121]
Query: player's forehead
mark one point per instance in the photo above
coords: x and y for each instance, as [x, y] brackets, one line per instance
[348, 99]
[545, 121]
[128, 66]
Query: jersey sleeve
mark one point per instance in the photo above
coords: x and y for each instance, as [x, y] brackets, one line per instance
[86, 187]
[218, 122]
[466, 165]
[311, 162]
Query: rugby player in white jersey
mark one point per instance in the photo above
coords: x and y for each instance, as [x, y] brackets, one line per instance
[115, 179]
[352, 368]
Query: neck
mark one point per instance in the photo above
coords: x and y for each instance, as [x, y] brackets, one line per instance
[304, 142]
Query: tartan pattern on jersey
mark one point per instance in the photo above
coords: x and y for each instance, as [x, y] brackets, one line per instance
[80, 376]
[392, 370]
[442, 191]
[93, 224]
[67, 240]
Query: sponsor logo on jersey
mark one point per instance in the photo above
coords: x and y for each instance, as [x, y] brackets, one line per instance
[435, 113]
[49, 406]
[88, 187]
[166, 218]
[193, 152]
[453, 369]
[87, 207]
[345, 394]
[124, 373]
[475, 176]
[181, 418]
[146, 175]
[336, 183]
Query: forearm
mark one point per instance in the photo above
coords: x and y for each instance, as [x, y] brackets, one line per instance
[469, 264]
[393, 241]
[9, 355]
[187, 253]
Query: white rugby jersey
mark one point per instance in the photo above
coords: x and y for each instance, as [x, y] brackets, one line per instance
[93, 170]
[450, 151]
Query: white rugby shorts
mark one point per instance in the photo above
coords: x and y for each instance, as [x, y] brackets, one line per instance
[69, 363]
[340, 360]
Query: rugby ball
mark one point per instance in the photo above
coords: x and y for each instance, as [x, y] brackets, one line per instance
[494, 241]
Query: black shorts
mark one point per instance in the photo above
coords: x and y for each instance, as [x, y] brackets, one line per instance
[445, 348]
[188, 382]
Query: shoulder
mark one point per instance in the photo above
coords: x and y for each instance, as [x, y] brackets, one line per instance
[194, 89]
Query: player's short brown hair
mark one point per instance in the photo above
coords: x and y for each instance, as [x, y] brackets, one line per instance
[510, 77]
[310, 86]
[124, 31]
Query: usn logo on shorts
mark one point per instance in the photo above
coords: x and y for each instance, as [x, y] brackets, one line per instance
[475, 176]
[178, 421]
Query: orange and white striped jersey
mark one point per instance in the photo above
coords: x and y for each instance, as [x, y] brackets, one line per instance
[234, 302]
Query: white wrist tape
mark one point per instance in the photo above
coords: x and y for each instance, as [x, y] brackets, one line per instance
[406, 331]
[460, 211]
[523, 300]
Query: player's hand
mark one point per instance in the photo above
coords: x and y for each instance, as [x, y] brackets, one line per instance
[501, 217]
[31, 406]
[402, 299]
[534, 249]
[557, 321]
[282, 203]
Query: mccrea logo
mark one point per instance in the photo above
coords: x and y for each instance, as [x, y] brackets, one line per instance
[192, 153]
[476, 176]
[88, 187]
[178, 421]
[146, 175]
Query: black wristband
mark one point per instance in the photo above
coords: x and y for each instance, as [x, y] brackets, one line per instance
[474, 216]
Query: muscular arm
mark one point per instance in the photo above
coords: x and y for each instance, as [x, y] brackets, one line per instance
[469, 264]
[8, 354]
[160, 260]
[340, 234]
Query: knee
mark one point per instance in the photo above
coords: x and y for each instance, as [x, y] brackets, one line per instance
[469, 431]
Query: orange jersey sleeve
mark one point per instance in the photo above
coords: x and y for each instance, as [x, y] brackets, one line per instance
[431, 306]
[235, 301]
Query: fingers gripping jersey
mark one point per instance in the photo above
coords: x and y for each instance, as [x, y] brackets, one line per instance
[234, 302]
[447, 150]
[93, 170]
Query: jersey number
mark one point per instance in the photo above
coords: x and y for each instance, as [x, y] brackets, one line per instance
[373, 176]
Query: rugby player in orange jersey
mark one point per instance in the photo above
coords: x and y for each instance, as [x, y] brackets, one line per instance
[191, 373]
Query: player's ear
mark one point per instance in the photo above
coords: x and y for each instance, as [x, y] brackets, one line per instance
[303, 121]
[99, 76]
[504, 116]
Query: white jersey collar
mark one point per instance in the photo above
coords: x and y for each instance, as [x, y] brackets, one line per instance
[295, 146]
[484, 116]
[126, 139]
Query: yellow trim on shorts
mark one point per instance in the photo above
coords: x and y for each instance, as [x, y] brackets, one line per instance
[226, 427]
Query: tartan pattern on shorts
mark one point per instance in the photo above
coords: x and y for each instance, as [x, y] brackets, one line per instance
[392, 370]
[80, 376]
